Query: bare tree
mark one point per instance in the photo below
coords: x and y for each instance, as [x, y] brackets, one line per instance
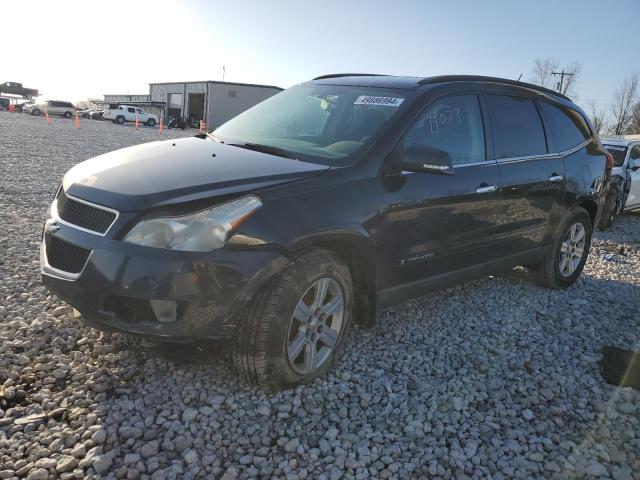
[545, 73]
[634, 127]
[598, 117]
[623, 105]
[542, 71]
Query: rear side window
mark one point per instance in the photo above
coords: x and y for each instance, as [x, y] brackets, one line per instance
[569, 128]
[518, 128]
[131, 110]
[452, 124]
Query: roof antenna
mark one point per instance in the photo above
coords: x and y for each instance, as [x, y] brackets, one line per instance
[519, 78]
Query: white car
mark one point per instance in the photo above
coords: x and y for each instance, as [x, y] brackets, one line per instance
[52, 107]
[625, 175]
[128, 113]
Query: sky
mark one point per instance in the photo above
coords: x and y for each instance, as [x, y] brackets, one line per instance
[73, 50]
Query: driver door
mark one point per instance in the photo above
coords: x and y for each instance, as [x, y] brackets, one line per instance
[441, 226]
[633, 198]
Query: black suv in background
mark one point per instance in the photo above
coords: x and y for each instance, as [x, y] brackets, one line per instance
[318, 206]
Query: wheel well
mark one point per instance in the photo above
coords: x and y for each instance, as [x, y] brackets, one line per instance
[592, 209]
[363, 275]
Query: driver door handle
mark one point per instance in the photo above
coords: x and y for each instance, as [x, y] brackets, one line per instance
[556, 178]
[487, 189]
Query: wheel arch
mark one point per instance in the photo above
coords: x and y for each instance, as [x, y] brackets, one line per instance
[357, 252]
[591, 207]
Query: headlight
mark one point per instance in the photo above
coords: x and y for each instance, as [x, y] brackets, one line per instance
[198, 232]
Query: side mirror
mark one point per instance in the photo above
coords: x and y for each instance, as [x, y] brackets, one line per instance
[423, 158]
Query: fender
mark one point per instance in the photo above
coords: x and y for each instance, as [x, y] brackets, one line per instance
[357, 248]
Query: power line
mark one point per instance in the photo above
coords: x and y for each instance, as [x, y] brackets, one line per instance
[562, 75]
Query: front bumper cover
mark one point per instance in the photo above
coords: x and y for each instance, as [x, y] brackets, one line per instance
[210, 289]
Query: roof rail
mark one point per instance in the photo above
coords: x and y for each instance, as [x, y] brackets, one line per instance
[481, 78]
[338, 75]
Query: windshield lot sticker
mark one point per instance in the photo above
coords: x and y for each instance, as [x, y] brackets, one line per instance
[380, 101]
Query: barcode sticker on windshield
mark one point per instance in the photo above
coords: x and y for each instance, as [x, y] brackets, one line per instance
[383, 101]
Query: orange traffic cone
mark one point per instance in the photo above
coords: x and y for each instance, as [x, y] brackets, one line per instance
[203, 126]
[46, 116]
[161, 126]
[77, 120]
[137, 125]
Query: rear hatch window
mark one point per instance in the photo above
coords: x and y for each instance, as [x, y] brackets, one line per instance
[618, 152]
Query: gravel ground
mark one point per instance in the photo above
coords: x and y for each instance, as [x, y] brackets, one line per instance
[496, 378]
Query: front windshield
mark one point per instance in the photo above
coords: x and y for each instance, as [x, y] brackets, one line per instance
[324, 123]
[618, 153]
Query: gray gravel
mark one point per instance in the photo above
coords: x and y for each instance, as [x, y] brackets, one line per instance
[496, 378]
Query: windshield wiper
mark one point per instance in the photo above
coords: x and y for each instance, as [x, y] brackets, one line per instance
[213, 137]
[258, 147]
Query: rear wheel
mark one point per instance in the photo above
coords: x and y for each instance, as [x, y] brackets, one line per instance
[67, 114]
[151, 122]
[295, 329]
[569, 252]
[120, 119]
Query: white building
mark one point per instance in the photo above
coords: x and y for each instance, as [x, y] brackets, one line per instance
[212, 101]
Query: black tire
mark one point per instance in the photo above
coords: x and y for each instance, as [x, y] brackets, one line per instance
[547, 273]
[151, 122]
[36, 112]
[120, 119]
[609, 211]
[259, 351]
[67, 114]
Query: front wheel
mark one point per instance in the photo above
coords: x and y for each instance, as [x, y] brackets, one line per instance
[569, 252]
[36, 112]
[609, 211]
[295, 330]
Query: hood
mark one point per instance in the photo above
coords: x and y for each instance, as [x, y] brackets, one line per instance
[175, 171]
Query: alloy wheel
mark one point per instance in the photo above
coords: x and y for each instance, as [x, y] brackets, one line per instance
[572, 249]
[315, 326]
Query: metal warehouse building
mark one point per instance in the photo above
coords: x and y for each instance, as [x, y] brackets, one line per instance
[212, 101]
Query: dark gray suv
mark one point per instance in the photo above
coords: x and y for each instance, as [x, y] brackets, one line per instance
[320, 205]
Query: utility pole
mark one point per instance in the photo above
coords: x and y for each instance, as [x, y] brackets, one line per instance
[562, 75]
[224, 70]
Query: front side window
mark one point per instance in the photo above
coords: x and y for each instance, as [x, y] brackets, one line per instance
[568, 126]
[322, 123]
[518, 130]
[454, 125]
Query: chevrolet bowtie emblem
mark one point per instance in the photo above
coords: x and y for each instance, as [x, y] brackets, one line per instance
[51, 226]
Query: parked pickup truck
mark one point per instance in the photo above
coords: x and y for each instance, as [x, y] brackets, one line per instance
[127, 113]
[15, 88]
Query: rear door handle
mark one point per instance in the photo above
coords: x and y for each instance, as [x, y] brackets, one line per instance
[556, 178]
[487, 189]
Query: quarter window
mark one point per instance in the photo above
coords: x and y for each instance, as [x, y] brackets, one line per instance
[568, 126]
[518, 128]
[452, 124]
